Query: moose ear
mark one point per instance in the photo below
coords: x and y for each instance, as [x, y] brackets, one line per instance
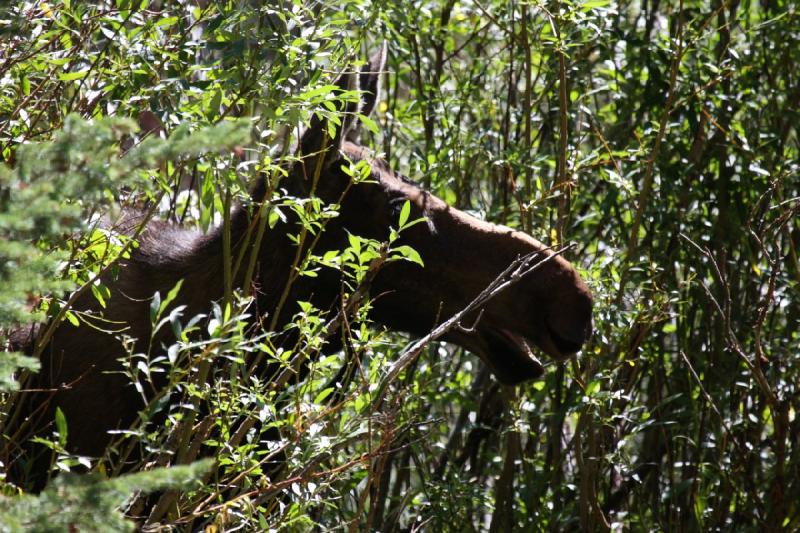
[316, 144]
[370, 80]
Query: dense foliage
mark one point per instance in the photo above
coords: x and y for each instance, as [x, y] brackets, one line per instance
[659, 136]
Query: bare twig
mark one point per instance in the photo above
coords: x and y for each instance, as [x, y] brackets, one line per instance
[733, 340]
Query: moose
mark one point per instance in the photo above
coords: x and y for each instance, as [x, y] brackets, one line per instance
[550, 308]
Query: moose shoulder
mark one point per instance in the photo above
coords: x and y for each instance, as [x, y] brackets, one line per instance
[549, 308]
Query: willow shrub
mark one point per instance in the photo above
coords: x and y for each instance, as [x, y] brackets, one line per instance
[660, 137]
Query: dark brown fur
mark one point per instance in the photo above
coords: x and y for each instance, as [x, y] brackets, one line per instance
[550, 308]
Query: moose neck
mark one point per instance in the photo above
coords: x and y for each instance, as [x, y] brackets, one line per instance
[272, 279]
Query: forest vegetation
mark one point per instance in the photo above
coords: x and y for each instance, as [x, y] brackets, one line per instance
[656, 139]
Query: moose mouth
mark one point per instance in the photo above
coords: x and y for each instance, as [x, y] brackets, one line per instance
[563, 344]
[510, 357]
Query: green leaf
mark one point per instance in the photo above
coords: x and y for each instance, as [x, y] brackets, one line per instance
[61, 426]
[72, 76]
[355, 243]
[155, 307]
[70, 316]
[323, 394]
[370, 124]
[25, 85]
[404, 213]
[409, 254]
[275, 216]
[588, 5]
[170, 296]
[167, 22]
[101, 294]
